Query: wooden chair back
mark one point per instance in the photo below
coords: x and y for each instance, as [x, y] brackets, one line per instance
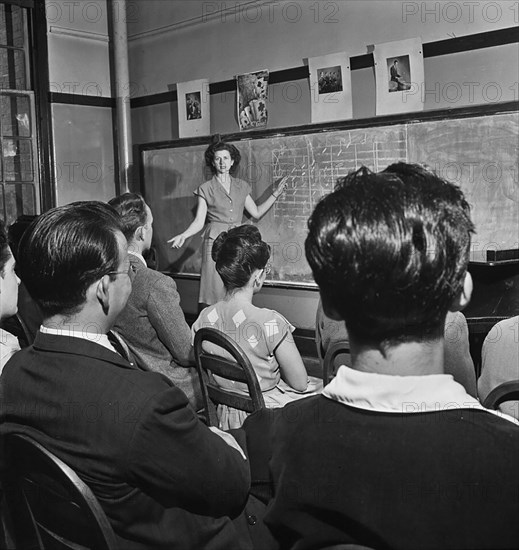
[330, 363]
[49, 506]
[507, 391]
[238, 368]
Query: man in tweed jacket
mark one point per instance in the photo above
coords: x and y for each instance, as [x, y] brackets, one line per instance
[152, 323]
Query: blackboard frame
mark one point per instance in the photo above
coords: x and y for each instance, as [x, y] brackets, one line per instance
[377, 121]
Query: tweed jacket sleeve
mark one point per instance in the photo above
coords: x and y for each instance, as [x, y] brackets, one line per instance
[167, 317]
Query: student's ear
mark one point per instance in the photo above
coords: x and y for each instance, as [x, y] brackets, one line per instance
[329, 310]
[463, 298]
[139, 233]
[103, 292]
[257, 277]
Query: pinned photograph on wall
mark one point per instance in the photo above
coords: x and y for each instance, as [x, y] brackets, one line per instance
[193, 108]
[330, 87]
[399, 75]
[252, 99]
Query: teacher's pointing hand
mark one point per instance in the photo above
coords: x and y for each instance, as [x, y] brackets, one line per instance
[280, 187]
[177, 241]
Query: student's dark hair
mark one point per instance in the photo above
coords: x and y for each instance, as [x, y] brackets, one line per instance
[17, 229]
[218, 145]
[4, 248]
[65, 250]
[132, 209]
[390, 253]
[237, 253]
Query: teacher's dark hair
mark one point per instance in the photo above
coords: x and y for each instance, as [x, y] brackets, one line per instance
[219, 145]
[65, 250]
[390, 251]
[238, 253]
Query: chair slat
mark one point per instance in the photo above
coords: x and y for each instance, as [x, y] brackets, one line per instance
[224, 368]
[224, 397]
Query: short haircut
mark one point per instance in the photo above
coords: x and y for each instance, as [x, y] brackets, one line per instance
[132, 209]
[219, 145]
[65, 250]
[17, 229]
[237, 253]
[5, 254]
[390, 254]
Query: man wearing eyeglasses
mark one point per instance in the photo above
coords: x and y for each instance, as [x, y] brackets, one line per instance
[153, 323]
[161, 475]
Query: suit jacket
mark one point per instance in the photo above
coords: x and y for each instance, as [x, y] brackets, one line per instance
[155, 329]
[163, 478]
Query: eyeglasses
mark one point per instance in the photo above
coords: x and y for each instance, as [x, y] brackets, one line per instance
[129, 271]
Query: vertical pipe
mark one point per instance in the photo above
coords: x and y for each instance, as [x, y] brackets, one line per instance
[122, 93]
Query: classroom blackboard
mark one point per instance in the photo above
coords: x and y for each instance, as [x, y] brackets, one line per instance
[479, 153]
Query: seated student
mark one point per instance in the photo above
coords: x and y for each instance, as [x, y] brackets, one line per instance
[393, 453]
[9, 282]
[164, 479]
[457, 358]
[153, 323]
[500, 361]
[263, 334]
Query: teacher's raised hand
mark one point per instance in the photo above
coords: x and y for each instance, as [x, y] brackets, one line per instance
[280, 186]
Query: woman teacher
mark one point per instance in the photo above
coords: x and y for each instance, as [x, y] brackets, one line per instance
[221, 201]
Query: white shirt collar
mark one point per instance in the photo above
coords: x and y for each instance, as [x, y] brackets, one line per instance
[401, 394]
[140, 256]
[96, 338]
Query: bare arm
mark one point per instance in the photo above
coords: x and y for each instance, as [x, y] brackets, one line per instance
[293, 370]
[196, 225]
[258, 211]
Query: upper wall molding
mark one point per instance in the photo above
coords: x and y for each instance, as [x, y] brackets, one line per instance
[199, 19]
[448, 46]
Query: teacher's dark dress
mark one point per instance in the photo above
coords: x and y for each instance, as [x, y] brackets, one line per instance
[224, 211]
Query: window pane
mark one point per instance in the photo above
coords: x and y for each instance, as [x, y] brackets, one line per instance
[11, 25]
[12, 69]
[15, 112]
[17, 199]
[17, 156]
